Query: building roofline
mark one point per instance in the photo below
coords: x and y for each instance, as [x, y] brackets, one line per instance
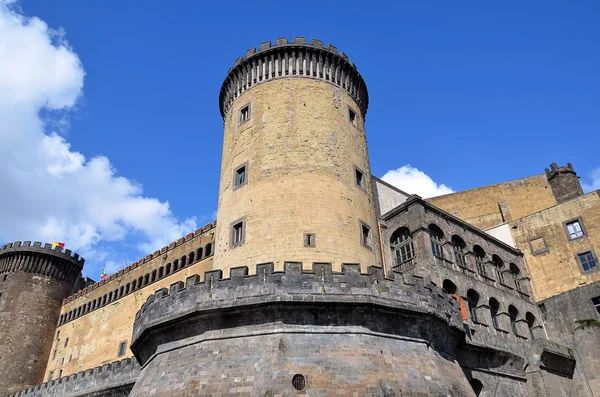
[390, 186]
[415, 199]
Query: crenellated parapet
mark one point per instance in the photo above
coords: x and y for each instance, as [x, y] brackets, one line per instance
[145, 260]
[295, 58]
[117, 377]
[42, 259]
[283, 296]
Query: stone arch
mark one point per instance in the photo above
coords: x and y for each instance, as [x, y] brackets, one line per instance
[449, 287]
[472, 301]
[513, 314]
[436, 237]
[401, 244]
[477, 386]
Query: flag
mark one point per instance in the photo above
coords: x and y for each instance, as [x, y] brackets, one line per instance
[103, 274]
[464, 312]
[57, 244]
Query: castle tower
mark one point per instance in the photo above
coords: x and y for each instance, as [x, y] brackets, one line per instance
[295, 174]
[564, 182]
[34, 280]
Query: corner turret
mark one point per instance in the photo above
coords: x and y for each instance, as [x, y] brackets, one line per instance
[564, 182]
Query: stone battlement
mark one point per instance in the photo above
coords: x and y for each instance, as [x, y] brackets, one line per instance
[555, 170]
[37, 247]
[293, 286]
[295, 58]
[146, 259]
[118, 374]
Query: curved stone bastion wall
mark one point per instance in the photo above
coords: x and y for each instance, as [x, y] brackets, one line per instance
[350, 332]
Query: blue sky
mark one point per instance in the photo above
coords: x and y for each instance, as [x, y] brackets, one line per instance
[121, 100]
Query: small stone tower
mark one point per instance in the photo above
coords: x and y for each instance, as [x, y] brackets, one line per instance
[564, 182]
[295, 175]
[34, 280]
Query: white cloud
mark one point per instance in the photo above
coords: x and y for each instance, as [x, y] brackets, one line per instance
[594, 176]
[48, 190]
[413, 181]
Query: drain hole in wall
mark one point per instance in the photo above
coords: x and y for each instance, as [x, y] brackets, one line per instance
[299, 382]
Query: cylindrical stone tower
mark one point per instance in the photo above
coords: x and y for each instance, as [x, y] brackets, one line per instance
[295, 174]
[34, 280]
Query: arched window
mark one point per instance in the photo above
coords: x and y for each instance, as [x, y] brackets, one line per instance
[479, 259]
[459, 250]
[498, 268]
[191, 257]
[477, 386]
[208, 250]
[161, 272]
[473, 299]
[199, 253]
[402, 247]
[513, 313]
[494, 309]
[530, 318]
[183, 261]
[449, 287]
[436, 236]
[168, 269]
[175, 265]
[516, 275]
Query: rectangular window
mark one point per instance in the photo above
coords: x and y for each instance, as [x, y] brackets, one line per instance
[309, 240]
[66, 342]
[587, 261]
[352, 117]
[575, 230]
[240, 176]
[596, 302]
[244, 114]
[365, 235]
[238, 233]
[359, 178]
[122, 347]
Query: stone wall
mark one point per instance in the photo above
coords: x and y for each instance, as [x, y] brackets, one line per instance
[491, 205]
[95, 321]
[551, 254]
[110, 380]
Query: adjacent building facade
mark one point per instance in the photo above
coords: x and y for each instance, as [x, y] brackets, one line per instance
[319, 278]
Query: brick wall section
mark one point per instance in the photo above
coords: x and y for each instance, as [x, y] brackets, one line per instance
[558, 269]
[481, 206]
[564, 182]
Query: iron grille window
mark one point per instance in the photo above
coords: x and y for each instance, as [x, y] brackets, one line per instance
[575, 230]
[587, 261]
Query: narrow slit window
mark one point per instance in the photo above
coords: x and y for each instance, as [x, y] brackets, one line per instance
[122, 347]
[245, 114]
[365, 235]
[309, 239]
[66, 342]
[352, 116]
[360, 178]
[240, 176]
[238, 233]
